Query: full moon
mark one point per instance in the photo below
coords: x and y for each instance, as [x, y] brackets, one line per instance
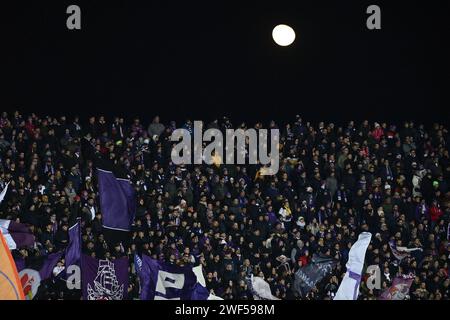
[283, 35]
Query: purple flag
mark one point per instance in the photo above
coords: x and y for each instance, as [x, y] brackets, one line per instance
[20, 263]
[73, 251]
[163, 281]
[117, 201]
[399, 289]
[17, 235]
[199, 292]
[104, 279]
[50, 262]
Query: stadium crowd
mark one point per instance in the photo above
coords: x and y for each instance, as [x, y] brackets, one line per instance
[334, 182]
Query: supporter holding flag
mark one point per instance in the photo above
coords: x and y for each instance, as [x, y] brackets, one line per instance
[31, 279]
[220, 219]
[399, 289]
[307, 277]
[401, 252]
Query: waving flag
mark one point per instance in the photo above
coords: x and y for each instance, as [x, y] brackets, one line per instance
[200, 290]
[399, 289]
[104, 279]
[261, 289]
[308, 276]
[10, 286]
[117, 201]
[17, 235]
[31, 279]
[73, 250]
[349, 288]
[163, 281]
[401, 252]
[49, 263]
[3, 193]
[20, 263]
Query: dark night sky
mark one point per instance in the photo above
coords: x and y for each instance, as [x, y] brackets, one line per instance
[202, 59]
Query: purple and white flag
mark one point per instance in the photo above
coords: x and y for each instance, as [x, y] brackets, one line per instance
[200, 291]
[399, 289]
[401, 253]
[117, 201]
[31, 279]
[104, 279]
[349, 288]
[17, 235]
[163, 281]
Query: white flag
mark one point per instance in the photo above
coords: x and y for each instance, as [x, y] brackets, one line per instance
[261, 289]
[401, 252]
[349, 288]
[3, 193]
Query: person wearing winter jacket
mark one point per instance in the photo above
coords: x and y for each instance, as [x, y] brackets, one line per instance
[435, 213]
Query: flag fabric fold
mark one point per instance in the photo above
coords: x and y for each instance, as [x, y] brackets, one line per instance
[261, 289]
[349, 287]
[73, 250]
[10, 286]
[31, 279]
[163, 281]
[308, 276]
[17, 235]
[399, 289]
[117, 201]
[49, 263]
[401, 253]
[200, 290]
[3, 193]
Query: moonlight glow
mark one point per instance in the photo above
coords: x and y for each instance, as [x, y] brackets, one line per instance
[283, 35]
